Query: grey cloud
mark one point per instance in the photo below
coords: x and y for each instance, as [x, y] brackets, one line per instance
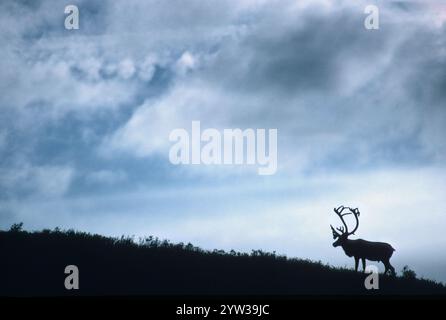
[295, 59]
[106, 177]
[325, 81]
[45, 181]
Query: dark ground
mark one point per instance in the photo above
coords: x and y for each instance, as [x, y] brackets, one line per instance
[32, 264]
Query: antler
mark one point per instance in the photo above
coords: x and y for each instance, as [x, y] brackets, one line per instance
[335, 234]
[344, 229]
[339, 213]
[356, 213]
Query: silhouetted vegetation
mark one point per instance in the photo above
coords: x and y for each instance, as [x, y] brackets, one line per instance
[409, 274]
[33, 263]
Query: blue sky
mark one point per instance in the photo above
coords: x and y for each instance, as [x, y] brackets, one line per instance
[86, 114]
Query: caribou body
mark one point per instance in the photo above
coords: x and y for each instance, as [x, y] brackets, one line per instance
[361, 249]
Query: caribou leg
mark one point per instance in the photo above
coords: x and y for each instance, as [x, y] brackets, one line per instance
[388, 267]
[363, 264]
[356, 263]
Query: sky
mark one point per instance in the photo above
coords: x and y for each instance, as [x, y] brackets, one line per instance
[361, 118]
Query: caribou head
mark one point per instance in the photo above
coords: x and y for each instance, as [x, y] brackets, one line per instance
[342, 233]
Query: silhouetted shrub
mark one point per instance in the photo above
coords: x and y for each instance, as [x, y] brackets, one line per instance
[408, 273]
[16, 227]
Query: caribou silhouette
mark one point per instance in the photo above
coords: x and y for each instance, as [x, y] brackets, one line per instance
[359, 248]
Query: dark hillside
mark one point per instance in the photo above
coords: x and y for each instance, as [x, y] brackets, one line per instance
[34, 263]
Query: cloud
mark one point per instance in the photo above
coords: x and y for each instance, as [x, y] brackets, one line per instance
[3, 139]
[185, 63]
[326, 83]
[106, 177]
[43, 181]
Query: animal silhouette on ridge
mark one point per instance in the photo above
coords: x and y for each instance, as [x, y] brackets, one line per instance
[359, 248]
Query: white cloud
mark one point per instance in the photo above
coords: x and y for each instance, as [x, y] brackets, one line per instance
[147, 68]
[186, 62]
[147, 131]
[126, 69]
